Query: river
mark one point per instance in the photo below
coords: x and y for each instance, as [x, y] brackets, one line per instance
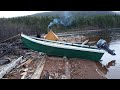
[112, 62]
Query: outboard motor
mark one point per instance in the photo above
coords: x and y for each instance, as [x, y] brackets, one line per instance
[102, 44]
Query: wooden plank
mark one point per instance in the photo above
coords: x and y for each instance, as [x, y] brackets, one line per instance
[9, 67]
[39, 69]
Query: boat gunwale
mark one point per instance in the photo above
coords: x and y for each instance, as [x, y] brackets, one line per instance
[63, 43]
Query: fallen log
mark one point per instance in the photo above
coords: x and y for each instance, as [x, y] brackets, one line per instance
[67, 69]
[3, 49]
[6, 61]
[39, 69]
[7, 49]
[3, 44]
[9, 67]
[9, 38]
[4, 53]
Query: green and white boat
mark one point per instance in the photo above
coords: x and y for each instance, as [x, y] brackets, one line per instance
[57, 48]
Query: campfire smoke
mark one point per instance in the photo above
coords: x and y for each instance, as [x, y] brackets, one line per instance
[66, 20]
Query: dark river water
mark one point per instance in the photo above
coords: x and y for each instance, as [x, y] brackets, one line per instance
[112, 63]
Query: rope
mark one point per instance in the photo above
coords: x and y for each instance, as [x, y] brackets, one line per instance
[9, 38]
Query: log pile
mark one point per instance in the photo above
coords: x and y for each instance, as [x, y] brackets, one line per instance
[7, 68]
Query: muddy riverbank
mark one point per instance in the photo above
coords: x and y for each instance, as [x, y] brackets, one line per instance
[54, 67]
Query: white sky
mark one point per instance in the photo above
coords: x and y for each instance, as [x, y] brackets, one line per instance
[116, 11]
[8, 14]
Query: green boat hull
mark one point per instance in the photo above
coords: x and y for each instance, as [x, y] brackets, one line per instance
[56, 51]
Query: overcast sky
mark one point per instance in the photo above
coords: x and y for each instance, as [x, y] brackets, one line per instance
[8, 14]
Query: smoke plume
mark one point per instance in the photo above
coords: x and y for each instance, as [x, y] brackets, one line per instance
[66, 20]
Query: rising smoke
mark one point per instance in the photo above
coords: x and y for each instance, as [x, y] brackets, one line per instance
[66, 20]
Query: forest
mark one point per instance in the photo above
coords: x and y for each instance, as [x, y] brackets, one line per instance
[39, 24]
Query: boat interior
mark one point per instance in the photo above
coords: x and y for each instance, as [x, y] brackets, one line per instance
[66, 43]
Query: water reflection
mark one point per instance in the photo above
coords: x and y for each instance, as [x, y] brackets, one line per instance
[105, 68]
[110, 65]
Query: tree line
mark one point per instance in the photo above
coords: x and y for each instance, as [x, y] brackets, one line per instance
[39, 24]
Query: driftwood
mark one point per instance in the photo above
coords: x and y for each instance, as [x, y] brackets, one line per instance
[67, 69]
[39, 69]
[6, 69]
[6, 61]
[7, 49]
[3, 44]
[24, 73]
[9, 38]
[25, 63]
[3, 49]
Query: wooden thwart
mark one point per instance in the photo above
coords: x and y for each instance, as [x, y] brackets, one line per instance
[85, 42]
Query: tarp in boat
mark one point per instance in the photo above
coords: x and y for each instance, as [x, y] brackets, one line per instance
[51, 36]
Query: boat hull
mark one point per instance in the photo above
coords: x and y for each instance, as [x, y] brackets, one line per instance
[56, 51]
